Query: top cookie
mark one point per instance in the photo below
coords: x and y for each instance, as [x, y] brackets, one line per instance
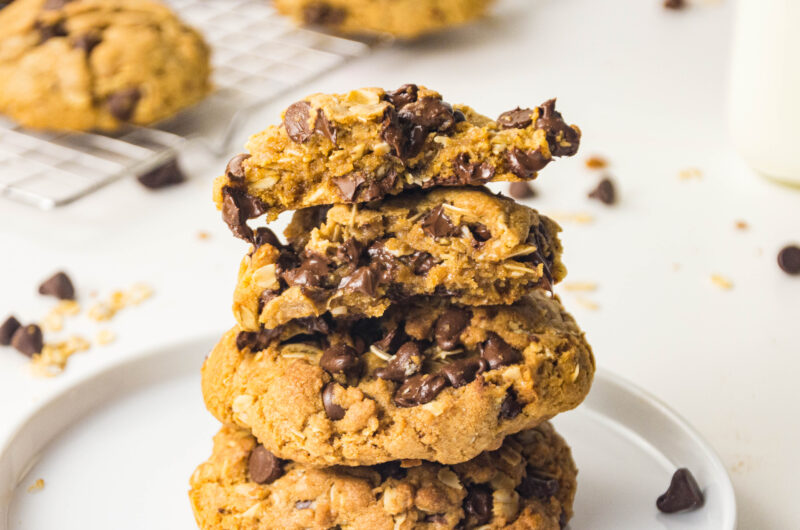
[406, 19]
[97, 64]
[366, 144]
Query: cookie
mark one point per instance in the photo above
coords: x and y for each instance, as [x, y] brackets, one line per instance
[474, 247]
[406, 19]
[97, 64]
[528, 483]
[429, 380]
[361, 146]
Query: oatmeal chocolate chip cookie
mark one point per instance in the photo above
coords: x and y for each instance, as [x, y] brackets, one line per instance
[97, 64]
[406, 19]
[528, 483]
[475, 247]
[429, 380]
[366, 144]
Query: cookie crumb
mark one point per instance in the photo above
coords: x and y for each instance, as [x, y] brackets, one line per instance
[690, 173]
[742, 225]
[676, 267]
[596, 162]
[721, 282]
[202, 235]
[105, 336]
[36, 486]
[586, 303]
[579, 286]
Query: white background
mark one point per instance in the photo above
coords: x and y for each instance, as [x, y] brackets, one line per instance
[648, 88]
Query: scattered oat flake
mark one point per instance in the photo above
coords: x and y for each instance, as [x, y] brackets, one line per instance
[676, 267]
[690, 173]
[586, 303]
[52, 322]
[105, 336]
[106, 309]
[721, 282]
[36, 486]
[579, 286]
[577, 217]
[54, 356]
[596, 162]
[67, 307]
[742, 225]
[203, 235]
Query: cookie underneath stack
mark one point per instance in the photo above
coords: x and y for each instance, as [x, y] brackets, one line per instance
[394, 364]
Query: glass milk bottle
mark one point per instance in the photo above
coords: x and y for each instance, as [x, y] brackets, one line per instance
[765, 87]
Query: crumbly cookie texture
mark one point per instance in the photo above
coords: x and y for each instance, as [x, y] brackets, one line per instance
[356, 260]
[429, 380]
[528, 483]
[97, 64]
[403, 18]
[369, 143]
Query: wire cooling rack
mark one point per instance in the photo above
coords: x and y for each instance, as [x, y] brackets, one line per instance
[257, 55]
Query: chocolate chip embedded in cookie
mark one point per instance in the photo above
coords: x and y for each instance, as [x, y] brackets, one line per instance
[476, 247]
[528, 482]
[369, 143]
[428, 380]
[97, 64]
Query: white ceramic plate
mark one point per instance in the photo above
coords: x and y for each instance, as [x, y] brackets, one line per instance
[116, 451]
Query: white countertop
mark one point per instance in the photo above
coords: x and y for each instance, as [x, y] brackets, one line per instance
[648, 88]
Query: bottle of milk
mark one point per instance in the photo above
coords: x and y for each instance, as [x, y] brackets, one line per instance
[765, 87]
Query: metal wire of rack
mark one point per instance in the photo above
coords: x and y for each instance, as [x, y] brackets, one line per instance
[257, 55]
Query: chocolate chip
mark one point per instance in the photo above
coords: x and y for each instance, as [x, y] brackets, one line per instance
[314, 324]
[429, 112]
[535, 485]
[122, 103]
[295, 120]
[510, 407]
[449, 326]
[303, 505]
[391, 339]
[789, 259]
[349, 252]
[167, 174]
[235, 169]
[325, 127]
[437, 224]
[416, 137]
[7, 330]
[498, 352]
[28, 339]
[334, 411]
[405, 363]
[256, 340]
[87, 42]
[521, 190]
[320, 13]
[480, 232]
[478, 505]
[263, 466]
[472, 173]
[341, 359]
[516, 119]
[266, 296]
[392, 132]
[363, 280]
[683, 493]
[377, 189]
[403, 96]
[49, 31]
[464, 371]
[348, 185]
[419, 389]
[421, 262]
[58, 285]
[525, 164]
[604, 192]
[311, 272]
[265, 236]
[237, 208]
[562, 139]
[383, 262]
[674, 4]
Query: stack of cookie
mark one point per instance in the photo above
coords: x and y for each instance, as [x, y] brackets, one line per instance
[394, 364]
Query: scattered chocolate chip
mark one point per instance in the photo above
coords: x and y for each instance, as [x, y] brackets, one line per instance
[525, 164]
[535, 485]
[122, 103]
[303, 505]
[7, 330]
[421, 262]
[521, 190]
[405, 363]
[363, 280]
[348, 185]
[498, 352]
[419, 389]
[334, 411]
[437, 224]
[472, 173]
[28, 339]
[464, 371]
[49, 31]
[265, 236]
[674, 4]
[516, 119]
[604, 192]
[478, 505]
[480, 232]
[429, 112]
[167, 174]
[322, 14]
[562, 139]
[341, 359]
[325, 127]
[403, 96]
[683, 493]
[237, 208]
[510, 407]
[235, 168]
[263, 466]
[449, 326]
[87, 42]
[58, 285]
[789, 259]
[295, 120]
[349, 252]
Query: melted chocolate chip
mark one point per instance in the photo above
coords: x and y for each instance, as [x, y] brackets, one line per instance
[263, 466]
[314, 324]
[377, 189]
[349, 252]
[235, 169]
[789, 259]
[405, 363]
[419, 389]
[521, 190]
[348, 185]
[604, 192]
[341, 359]
[266, 296]
[49, 31]
[478, 505]
[325, 127]
[535, 485]
[472, 173]
[683, 494]
[562, 139]
[480, 232]
[122, 103]
[256, 340]
[311, 272]
[449, 326]
[167, 174]
[87, 42]
[7, 330]
[363, 280]
[265, 236]
[383, 262]
[403, 96]
[295, 120]
[437, 224]
[510, 408]
[515, 119]
[464, 371]
[421, 262]
[237, 208]
[28, 340]
[498, 352]
[58, 285]
[525, 164]
[431, 113]
[391, 340]
[322, 14]
[392, 132]
[334, 411]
